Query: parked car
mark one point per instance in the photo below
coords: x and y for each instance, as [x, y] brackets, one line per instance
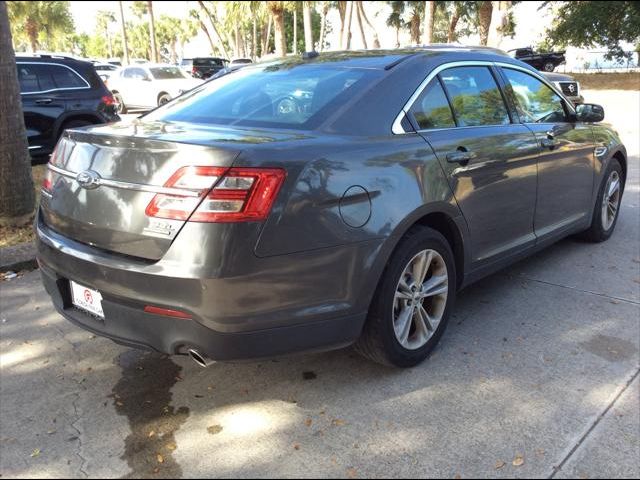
[105, 70]
[148, 86]
[569, 86]
[203, 67]
[222, 227]
[547, 61]
[228, 69]
[58, 93]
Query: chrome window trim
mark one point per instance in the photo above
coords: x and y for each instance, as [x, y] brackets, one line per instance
[183, 192]
[397, 129]
[88, 87]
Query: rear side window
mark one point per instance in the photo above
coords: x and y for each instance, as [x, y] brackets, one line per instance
[270, 96]
[535, 101]
[475, 97]
[432, 109]
[41, 77]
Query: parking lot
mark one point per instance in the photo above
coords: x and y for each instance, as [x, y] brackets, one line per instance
[537, 376]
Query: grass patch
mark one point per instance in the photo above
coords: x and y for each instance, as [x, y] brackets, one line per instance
[608, 81]
[14, 235]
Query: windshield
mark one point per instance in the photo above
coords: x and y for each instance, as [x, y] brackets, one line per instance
[166, 73]
[270, 96]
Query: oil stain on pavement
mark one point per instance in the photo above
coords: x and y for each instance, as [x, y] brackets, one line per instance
[143, 395]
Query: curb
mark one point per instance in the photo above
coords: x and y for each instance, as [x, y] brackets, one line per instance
[18, 257]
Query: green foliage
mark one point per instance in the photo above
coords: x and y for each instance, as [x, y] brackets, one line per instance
[316, 20]
[593, 24]
[40, 25]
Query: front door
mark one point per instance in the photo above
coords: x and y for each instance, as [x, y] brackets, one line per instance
[566, 164]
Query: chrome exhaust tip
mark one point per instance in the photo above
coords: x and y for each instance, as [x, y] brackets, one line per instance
[199, 358]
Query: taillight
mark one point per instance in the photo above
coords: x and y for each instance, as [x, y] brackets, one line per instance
[238, 194]
[47, 181]
[108, 100]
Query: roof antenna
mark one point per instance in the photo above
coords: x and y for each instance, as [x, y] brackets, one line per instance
[310, 55]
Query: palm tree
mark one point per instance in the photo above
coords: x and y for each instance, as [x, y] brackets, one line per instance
[211, 15]
[31, 19]
[152, 32]
[308, 29]
[277, 9]
[376, 40]
[345, 40]
[323, 24]
[125, 47]
[429, 18]
[105, 18]
[395, 18]
[16, 184]
[485, 10]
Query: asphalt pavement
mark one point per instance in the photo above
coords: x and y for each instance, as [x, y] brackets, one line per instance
[537, 376]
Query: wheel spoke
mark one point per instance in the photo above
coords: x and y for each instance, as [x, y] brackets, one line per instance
[612, 210]
[436, 285]
[402, 295]
[425, 322]
[614, 186]
[421, 267]
[403, 325]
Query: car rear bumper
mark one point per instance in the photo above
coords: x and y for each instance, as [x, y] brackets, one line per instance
[260, 327]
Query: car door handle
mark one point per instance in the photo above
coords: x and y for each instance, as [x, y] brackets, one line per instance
[459, 157]
[44, 101]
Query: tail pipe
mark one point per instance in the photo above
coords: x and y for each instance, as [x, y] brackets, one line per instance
[200, 358]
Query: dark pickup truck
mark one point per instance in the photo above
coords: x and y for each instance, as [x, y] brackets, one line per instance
[541, 61]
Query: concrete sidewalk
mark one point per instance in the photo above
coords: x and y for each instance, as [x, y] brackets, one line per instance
[537, 376]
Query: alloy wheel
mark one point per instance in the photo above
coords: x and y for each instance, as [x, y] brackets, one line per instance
[420, 299]
[611, 200]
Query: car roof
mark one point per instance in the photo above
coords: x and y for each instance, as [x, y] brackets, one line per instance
[43, 58]
[386, 59]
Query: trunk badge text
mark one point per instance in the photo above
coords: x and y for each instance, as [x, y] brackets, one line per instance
[88, 179]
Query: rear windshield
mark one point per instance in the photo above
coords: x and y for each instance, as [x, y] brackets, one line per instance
[166, 73]
[270, 96]
[208, 62]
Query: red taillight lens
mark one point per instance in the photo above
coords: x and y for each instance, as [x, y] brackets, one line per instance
[238, 194]
[108, 100]
[47, 181]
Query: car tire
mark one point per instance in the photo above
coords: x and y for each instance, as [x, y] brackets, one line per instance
[605, 215]
[121, 108]
[163, 98]
[549, 67]
[384, 339]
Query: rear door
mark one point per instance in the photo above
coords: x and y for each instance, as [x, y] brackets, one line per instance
[489, 160]
[566, 163]
[43, 101]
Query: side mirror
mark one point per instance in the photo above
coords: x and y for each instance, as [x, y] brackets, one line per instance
[589, 112]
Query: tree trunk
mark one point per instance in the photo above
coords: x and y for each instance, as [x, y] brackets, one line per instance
[485, 9]
[323, 26]
[451, 34]
[308, 28]
[376, 40]
[213, 21]
[429, 18]
[342, 10]
[125, 47]
[363, 38]
[254, 39]
[206, 32]
[278, 28]
[152, 32]
[16, 183]
[346, 39]
[236, 41]
[295, 30]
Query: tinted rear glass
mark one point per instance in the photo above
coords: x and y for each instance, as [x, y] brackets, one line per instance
[271, 96]
[208, 62]
[41, 77]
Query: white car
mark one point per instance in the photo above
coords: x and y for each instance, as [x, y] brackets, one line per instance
[105, 70]
[148, 86]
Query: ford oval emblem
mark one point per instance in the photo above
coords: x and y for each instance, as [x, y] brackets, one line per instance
[88, 179]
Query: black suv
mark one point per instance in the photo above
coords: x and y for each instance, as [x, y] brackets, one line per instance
[203, 67]
[59, 93]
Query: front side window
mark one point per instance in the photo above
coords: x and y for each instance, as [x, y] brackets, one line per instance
[276, 95]
[475, 96]
[535, 101]
[432, 109]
